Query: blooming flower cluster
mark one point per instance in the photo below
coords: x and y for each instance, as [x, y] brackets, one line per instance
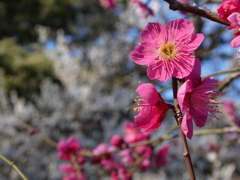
[130, 155]
[167, 51]
[229, 11]
[68, 150]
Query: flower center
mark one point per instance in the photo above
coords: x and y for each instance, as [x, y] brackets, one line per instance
[168, 51]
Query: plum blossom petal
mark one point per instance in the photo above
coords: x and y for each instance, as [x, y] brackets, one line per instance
[195, 41]
[187, 125]
[162, 74]
[182, 25]
[181, 67]
[235, 42]
[146, 113]
[184, 94]
[161, 156]
[153, 31]
[195, 74]
[148, 92]
[167, 50]
[200, 117]
[234, 18]
[140, 54]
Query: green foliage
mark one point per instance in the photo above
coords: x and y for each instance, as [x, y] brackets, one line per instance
[19, 18]
[23, 71]
[85, 18]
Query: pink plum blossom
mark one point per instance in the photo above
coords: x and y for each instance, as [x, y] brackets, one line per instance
[71, 172]
[67, 148]
[234, 18]
[227, 8]
[161, 156]
[142, 10]
[108, 3]
[103, 156]
[197, 101]
[229, 108]
[121, 173]
[133, 135]
[167, 50]
[116, 140]
[151, 108]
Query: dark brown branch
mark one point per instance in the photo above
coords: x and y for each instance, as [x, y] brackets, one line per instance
[194, 9]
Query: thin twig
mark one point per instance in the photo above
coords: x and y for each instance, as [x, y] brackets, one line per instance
[227, 82]
[222, 72]
[12, 164]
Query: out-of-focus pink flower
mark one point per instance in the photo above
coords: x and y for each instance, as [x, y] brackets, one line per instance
[105, 157]
[227, 8]
[127, 157]
[229, 108]
[73, 177]
[121, 173]
[116, 140]
[71, 172]
[214, 148]
[108, 3]
[142, 10]
[167, 50]
[161, 156]
[151, 109]
[234, 18]
[197, 101]
[131, 134]
[145, 164]
[67, 148]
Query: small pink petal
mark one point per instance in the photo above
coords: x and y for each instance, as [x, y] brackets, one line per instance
[200, 117]
[235, 42]
[161, 71]
[161, 156]
[143, 117]
[210, 81]
[184, 94]
[149, 93]
[195, 75]
[152, 32]
[187, 125]
[183, 67]
[144, 54]
[183, 25]
[195, 42]
[234, 18]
